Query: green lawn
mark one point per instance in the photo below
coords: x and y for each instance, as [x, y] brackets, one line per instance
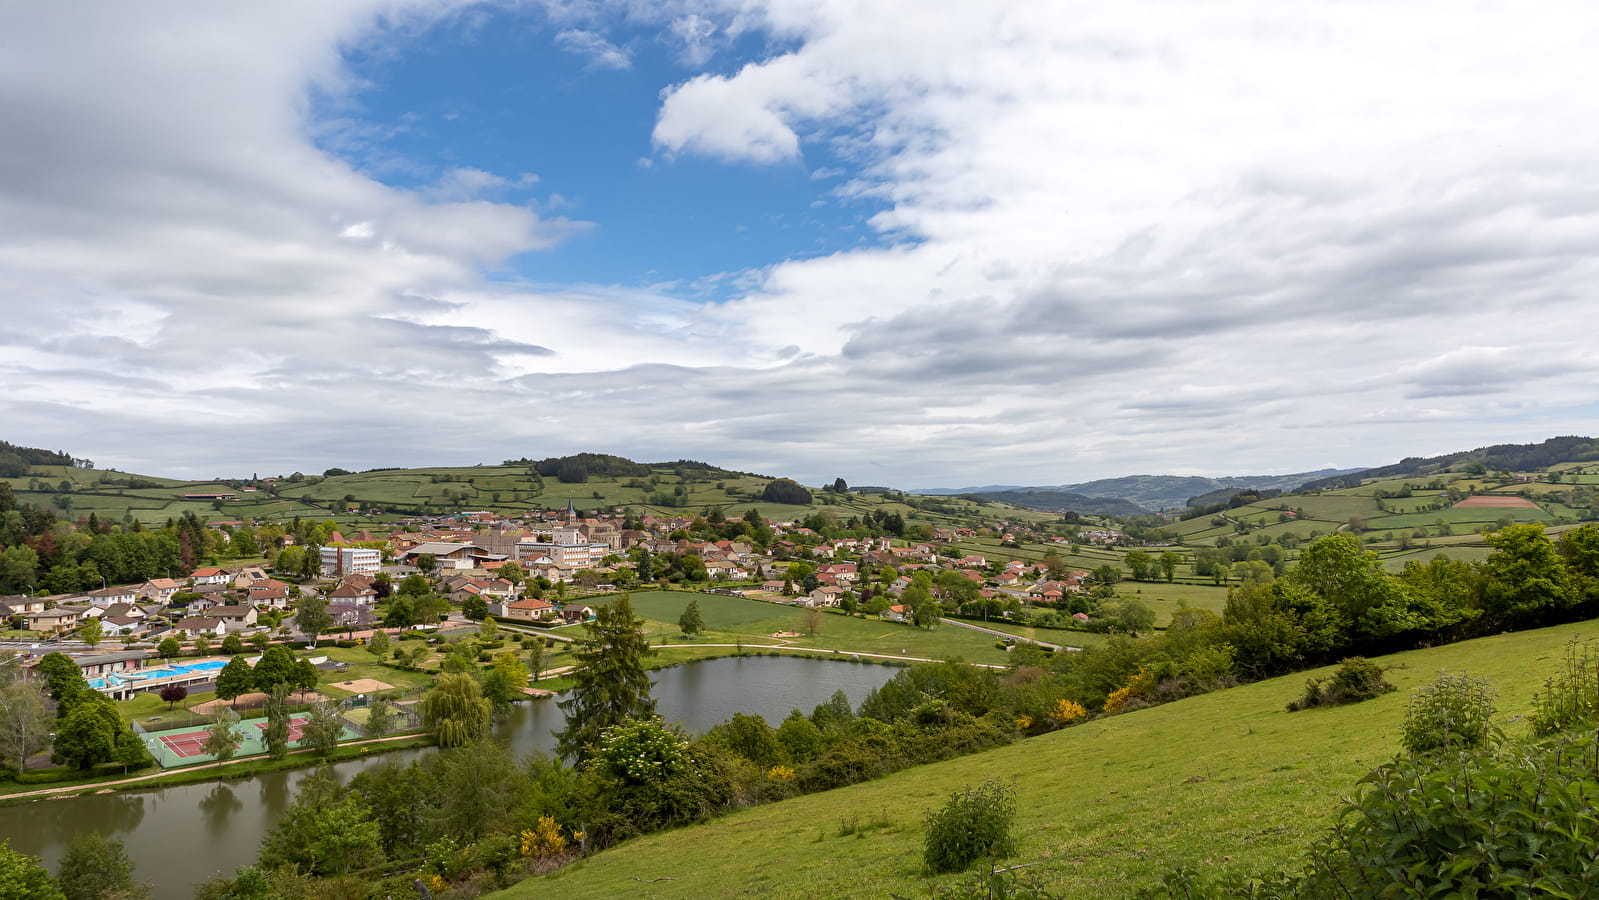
[1228, 780]
[755, 621]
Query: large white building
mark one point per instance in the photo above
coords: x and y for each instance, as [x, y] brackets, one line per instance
[566, 556]
[338, 561]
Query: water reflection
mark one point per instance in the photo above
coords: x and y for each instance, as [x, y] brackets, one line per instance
[180, 836]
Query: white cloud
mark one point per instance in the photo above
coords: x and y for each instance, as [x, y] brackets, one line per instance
[600, 52]
[1121, 237]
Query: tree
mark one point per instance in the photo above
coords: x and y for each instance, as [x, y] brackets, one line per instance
[86, 736]
[1141, 564]
[325, 831]
[276, 734]
[1525, 582]
[22, 876]
[260, 640]
[223, 737]
[311, 617]
[612, 685]
[202, 643]
[513, 572]
[690, 623]
[535, 658]
[95, 867]
[236, 678]
[233, 645]
[811, 620]
[378, 644]
[24, 722]
[427, 609]
[379, 718]
[277, 666]
[172, 694]
[1168, 565]
[322, 728]
[64, 678]
[169, 647]
[489, 630]
[426, 562]
[504, 681]
[456, 709]
[305, 676]
[92, 632]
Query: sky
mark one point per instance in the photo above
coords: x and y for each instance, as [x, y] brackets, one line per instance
[917, 244]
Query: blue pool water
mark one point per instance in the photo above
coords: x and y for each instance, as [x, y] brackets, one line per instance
[163, 672]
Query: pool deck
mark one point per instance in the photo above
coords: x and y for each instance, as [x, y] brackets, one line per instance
[183, 673]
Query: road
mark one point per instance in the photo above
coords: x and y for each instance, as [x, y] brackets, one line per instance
[1002, 634]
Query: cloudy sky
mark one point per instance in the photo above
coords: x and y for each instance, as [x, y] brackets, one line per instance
[906, 242]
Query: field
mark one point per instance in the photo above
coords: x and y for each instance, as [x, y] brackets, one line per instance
[1227, 780]
[732, 620]
[667, 490]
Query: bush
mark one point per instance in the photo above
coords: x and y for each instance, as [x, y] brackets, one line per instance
[1571, 697]
[1356, 679]
[1450, 714]
[1504, 823]
[344, 644]
[975, 823]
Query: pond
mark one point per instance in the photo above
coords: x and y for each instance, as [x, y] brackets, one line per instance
[179, 836]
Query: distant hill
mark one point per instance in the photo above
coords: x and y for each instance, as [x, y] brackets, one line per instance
[1063, 501]
[1148, 492]
[1512, 457]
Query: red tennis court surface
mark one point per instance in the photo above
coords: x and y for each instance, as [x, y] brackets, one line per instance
[296, 728]
[189, 743]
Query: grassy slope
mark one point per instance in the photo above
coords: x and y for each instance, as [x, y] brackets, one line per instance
[1228, 779]
[508, 489]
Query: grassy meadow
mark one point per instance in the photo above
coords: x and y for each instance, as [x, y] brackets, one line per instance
[1227, 780]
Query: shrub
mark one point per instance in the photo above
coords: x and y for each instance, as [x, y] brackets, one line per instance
[1505, 823]
[975, 823]
[1450, 714]
[1571, 697]
[1355, 680]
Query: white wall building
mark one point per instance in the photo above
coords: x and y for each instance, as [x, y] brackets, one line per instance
[338, 561]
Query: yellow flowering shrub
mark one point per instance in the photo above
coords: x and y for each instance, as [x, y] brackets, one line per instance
[544, 839]
[1067, 711]
[780, 773]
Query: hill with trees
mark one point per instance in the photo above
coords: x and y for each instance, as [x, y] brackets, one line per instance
[1499, 457]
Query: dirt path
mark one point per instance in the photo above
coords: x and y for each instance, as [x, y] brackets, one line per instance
[97, 787]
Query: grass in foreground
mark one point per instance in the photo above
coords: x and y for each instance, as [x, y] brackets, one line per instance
[1225, 781]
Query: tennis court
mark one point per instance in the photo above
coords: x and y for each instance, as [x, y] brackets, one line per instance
[186, 746]
[296, 729]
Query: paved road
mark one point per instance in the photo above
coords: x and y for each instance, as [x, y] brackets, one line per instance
[1003, 634]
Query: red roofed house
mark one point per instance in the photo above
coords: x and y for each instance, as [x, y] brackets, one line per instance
[209, 576]
[529, 610]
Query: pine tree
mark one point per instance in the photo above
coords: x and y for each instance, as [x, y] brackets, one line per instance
[612, 685]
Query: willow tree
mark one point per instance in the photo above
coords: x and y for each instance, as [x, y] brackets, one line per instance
[612, 684]
[456, 709]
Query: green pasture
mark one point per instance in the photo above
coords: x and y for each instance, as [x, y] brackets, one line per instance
[1226, 781]
[758, 620]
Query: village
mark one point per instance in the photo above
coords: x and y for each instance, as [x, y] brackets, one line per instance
[541, 571]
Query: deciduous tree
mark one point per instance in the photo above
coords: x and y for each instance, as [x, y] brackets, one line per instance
[235, 679]
[95, 867]
[24, 722]
[691, 623]
[456, 709]
[223, 737]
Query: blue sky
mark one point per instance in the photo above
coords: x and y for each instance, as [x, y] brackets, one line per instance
[905, 242]
[499, 91]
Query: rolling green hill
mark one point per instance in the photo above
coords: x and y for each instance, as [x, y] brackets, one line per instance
[1226, 781]
[675, 488]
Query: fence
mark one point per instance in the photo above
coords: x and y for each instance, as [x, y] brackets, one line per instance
[177, 747]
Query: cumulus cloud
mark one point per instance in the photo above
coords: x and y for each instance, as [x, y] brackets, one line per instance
[1110, 238]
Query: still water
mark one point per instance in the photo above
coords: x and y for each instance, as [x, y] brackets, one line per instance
[179, 836]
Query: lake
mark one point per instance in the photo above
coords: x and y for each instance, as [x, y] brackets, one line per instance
[180, 836]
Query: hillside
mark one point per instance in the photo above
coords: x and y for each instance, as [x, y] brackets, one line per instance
[1507, 457]
[1061, 501]
[1148, 492]
[1225, 780]
[587, 481]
